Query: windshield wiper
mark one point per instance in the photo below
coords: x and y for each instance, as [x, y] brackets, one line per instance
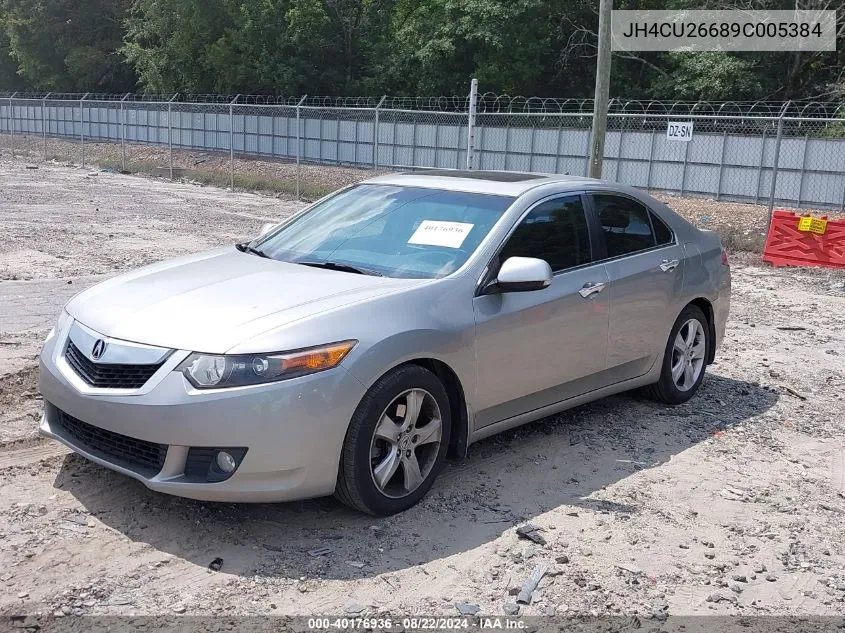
[246, 248]
[346, 268]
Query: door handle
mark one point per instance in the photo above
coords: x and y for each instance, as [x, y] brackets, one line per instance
[669, 264]
[591, 288]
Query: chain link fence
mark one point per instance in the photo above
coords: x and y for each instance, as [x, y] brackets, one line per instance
[776, 154]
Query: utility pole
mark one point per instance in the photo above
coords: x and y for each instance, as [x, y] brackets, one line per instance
[602, 91]
[473, 105]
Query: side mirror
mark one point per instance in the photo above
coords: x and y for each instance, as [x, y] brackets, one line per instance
[266, 228]
[522, 274]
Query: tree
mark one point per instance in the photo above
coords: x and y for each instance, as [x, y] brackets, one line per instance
[257, 46]
[9, 78]
[508, 45]
[68, 45]
[169, 44]
[372, 47]
[710, 76]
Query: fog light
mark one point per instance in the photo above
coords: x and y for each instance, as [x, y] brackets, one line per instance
[225, 462]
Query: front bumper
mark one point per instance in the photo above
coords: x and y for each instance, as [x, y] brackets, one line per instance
[293, 430]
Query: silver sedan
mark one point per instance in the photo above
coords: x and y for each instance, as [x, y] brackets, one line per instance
[349, 349]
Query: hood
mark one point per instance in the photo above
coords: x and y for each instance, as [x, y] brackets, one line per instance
[211, 301]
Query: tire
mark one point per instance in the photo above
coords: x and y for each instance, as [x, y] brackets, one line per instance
[410, 453]
[667, 389]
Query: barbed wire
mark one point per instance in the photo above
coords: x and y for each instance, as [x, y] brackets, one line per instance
[492, 103]
[488, 103]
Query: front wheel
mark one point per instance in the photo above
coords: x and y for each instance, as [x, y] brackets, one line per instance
[684, 360]
[396, 442]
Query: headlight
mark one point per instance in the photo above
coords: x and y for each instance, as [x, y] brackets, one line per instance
[207, 371]
[64, 317]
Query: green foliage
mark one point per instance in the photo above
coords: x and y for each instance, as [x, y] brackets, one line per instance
[169, 43]
[9, 78]
[258, 46]
[67, 45]
[373, 47]
[714, 76]
[507, 44]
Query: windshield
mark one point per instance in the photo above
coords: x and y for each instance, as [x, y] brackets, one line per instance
[393, 231]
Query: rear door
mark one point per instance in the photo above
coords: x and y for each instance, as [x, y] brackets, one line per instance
[645, 268]
[537, 348]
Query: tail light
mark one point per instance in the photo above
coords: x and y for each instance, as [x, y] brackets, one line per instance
[724, 257]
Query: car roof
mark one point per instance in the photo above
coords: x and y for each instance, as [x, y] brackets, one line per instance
[515, 184]
[505, 183]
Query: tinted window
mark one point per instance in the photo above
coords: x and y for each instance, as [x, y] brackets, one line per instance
[395, 231]
[625, 224]
[661, 231]
[555, 231]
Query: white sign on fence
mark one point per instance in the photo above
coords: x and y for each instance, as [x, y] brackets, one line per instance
[679, 130]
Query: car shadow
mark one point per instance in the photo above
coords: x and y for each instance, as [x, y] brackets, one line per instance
[562, 460]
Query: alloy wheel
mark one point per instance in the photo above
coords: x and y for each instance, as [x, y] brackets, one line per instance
[688, 354]
[406, 443]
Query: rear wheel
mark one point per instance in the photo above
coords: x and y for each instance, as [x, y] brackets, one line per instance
[684, 360]
[396, 442]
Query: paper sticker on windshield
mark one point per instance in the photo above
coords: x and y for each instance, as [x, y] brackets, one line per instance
[437, 233]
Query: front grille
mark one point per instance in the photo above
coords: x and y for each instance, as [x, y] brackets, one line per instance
[145, 458]
[106, 376]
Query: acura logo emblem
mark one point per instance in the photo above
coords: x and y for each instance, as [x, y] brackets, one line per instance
[99, 349]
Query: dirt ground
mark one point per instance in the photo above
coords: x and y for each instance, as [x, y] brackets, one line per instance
[733, 503]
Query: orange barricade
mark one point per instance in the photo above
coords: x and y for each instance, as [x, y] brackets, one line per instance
[795, 240]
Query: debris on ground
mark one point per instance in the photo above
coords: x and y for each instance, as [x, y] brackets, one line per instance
[531, 583]
[531, 532]
[464, 608]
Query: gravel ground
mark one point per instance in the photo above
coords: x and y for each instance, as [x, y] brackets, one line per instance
[211, 167]
[730, 504]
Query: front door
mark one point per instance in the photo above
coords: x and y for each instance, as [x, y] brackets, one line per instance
[540, 347]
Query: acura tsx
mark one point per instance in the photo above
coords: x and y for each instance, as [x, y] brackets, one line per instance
[349, 348]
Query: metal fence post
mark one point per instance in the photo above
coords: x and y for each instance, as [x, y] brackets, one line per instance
[776, 163]
[376, 132]
[842, 205]
[650, 163]
[298, 143]
[320, 139]
[12, 124]
[123, 133]
[414, 142]
[721, 165]
[287, 136]
[355, 146]
[337, 140]
[532, 145]
[232, 142]
[760, 170]
[82, 126]
[436, 142]
[559, 144]
[619, 157]
[44, 122]
[803, 169]
[473, 104]
[170, 132]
